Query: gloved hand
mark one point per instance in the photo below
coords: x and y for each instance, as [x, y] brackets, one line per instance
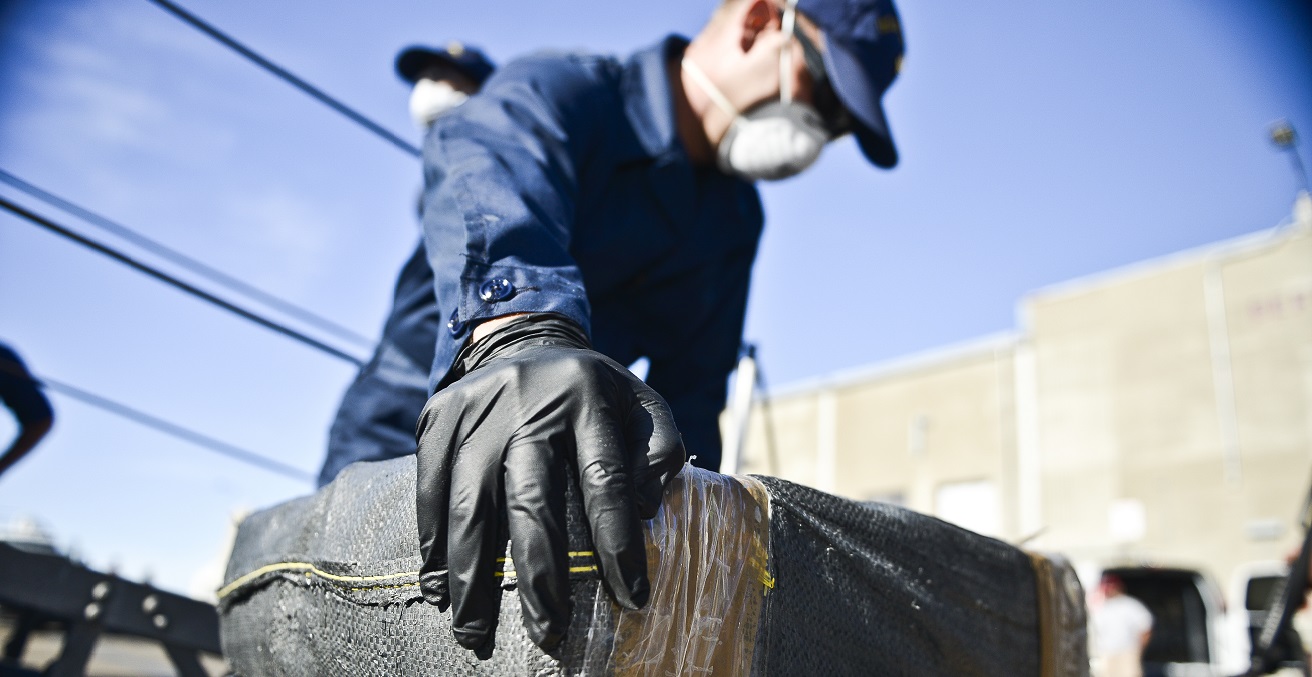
[533, 403]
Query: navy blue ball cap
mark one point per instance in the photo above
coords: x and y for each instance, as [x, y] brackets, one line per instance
[468, 60]
[863, 54]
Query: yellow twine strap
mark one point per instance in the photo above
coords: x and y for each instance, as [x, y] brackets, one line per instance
[510, 573]
[310, 570]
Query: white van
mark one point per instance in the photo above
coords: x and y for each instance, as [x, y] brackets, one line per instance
[1194, 635]
[1189, 629]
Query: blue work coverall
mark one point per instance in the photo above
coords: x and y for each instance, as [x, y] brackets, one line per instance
[563, 187]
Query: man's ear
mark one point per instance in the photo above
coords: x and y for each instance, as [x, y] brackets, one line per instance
[758, 16]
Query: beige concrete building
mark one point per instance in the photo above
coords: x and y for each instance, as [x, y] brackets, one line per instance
[1161, 412]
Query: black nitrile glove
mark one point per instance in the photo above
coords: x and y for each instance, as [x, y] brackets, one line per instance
[534, 404]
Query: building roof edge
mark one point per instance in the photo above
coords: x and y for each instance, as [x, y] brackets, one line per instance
[920, 360]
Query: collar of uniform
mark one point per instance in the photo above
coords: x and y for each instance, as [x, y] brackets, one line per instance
[649, 105]
[648, 102]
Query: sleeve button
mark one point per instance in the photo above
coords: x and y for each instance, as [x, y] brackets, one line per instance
[496, 289]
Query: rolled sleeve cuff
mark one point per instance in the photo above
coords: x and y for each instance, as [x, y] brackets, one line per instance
[488, 291]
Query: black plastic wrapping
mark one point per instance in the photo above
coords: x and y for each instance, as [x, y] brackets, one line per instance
[749, 576]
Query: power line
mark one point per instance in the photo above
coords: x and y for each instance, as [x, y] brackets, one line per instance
[199, 439]
[218, 446]
[161, 425]
[177, 283]
[200, 25]
[178, 258]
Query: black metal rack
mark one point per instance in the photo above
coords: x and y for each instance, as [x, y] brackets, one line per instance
[47, 587]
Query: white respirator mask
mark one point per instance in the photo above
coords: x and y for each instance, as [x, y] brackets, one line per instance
[431, 98]
[772, 141]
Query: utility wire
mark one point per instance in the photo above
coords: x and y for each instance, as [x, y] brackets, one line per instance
[219, 446]
[199, 439]
[200, 25]
[178, 258]
[177, 283]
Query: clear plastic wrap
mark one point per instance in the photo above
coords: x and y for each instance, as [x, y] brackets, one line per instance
[708, 559]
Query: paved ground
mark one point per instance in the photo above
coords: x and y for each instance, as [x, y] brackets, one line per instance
[114, 655]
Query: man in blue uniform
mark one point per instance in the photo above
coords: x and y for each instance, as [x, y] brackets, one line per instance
[581, 212]
[376, 418]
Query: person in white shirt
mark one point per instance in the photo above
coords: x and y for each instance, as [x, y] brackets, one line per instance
[1122, 626]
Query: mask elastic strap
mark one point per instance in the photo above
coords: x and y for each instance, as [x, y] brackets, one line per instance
[789, 24]
[717, 97]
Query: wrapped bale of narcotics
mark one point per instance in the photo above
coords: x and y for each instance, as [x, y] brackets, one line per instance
[750, 575]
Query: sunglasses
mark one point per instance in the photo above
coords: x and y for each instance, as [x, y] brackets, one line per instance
[836, 118]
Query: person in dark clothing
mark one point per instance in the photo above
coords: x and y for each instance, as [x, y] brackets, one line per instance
[377, 414]
[581, 212]
[22, 395]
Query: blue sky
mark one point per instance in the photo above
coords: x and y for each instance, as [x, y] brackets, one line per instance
[1041, 141]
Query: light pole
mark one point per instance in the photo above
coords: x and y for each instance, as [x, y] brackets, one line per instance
[1286, 139]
